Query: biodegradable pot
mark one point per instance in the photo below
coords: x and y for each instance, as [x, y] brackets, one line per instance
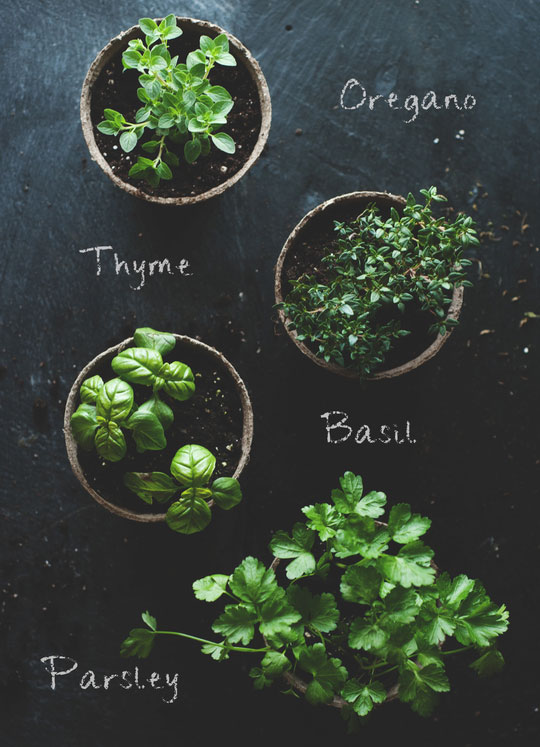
[115, 48]
[73, 400]
[323, 215]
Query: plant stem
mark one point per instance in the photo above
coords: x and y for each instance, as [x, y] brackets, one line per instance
[212, 643]
[455, 651]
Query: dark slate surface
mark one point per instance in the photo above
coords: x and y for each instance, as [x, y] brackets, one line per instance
[76, 578]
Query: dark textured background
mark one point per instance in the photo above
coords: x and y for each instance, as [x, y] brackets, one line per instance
[75, 578]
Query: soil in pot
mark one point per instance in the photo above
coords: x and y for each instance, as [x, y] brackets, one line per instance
[116, 89]
[212, 418]
[305, 255]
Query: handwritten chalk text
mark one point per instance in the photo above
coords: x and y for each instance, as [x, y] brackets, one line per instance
[139, 270]
[338, 431]
[354, 96]
[61, 666]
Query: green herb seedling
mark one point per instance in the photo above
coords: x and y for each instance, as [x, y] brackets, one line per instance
[180, 106]
[106, 410]
[388, 618]
[192, 467]
[375, 265]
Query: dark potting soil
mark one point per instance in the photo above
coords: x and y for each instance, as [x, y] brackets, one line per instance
[305, 255]
[212, 418]
[116, 89]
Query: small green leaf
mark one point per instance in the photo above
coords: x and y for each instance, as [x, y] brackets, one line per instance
[410, 567]
[128, 140]
[90, 389]
[160, 409]
[236, 623]
[192, 150]
[210, 588]
[139, 642]
[110, 442]
[224, 142]
[148, 26]
[149, 620]
[193, 465]
[151, 485]
[163, 171]
[190, 514]
[363, 697]
[146, 337]
[252, 582]
[318, 611]
[147, 431]
[138, 365]
[323, 519]
[178, 379]
[404, 526]
[361, 584]
[297, 547]
[328, 673]
[114, 401]
[226, 492]
[488, 663]
[83, 425]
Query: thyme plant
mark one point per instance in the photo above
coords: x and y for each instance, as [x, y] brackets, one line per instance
[352, 310]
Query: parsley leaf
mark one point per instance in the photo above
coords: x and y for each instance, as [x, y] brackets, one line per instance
[252, 581]
[328, 673]
[297, 547]
[210, 588]
[139, 642]
[237, 623]
[362, 696]
[360, 584]
[404, 526]
[323, 518]
[410, 567]
[316, 610]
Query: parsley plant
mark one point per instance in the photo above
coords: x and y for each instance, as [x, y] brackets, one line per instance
[374, 265]
[180, 106]
[359, 615]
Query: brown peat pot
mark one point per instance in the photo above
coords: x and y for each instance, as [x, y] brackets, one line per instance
[320, 221]
[250, 71]
[73, 401]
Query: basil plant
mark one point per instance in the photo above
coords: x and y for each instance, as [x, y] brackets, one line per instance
[191, 469]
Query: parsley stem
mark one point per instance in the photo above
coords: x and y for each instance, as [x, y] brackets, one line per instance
[212, 643]
[455, 650]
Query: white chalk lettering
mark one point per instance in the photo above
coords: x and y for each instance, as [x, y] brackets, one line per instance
[60, 666]
[140, 270]
[338, 431]
[354, 95]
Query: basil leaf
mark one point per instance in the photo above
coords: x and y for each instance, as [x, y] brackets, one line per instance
[178, 380]
[138, 365]
[146, 337]
[150, 485]
[90, 389]
[193, 465]
[160, 409]
[83, 426]
[191, 513]
[115, 401]
[147, 431]
[226, 492]
[110, 442]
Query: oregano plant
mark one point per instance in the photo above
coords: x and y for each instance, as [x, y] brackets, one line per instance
[180, 108]
[351, 310]
[108, 409]
[352, 611]
[191, 471]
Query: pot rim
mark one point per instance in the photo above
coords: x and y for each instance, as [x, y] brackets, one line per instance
[454, 308]
[72, 403]
[111, 49]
